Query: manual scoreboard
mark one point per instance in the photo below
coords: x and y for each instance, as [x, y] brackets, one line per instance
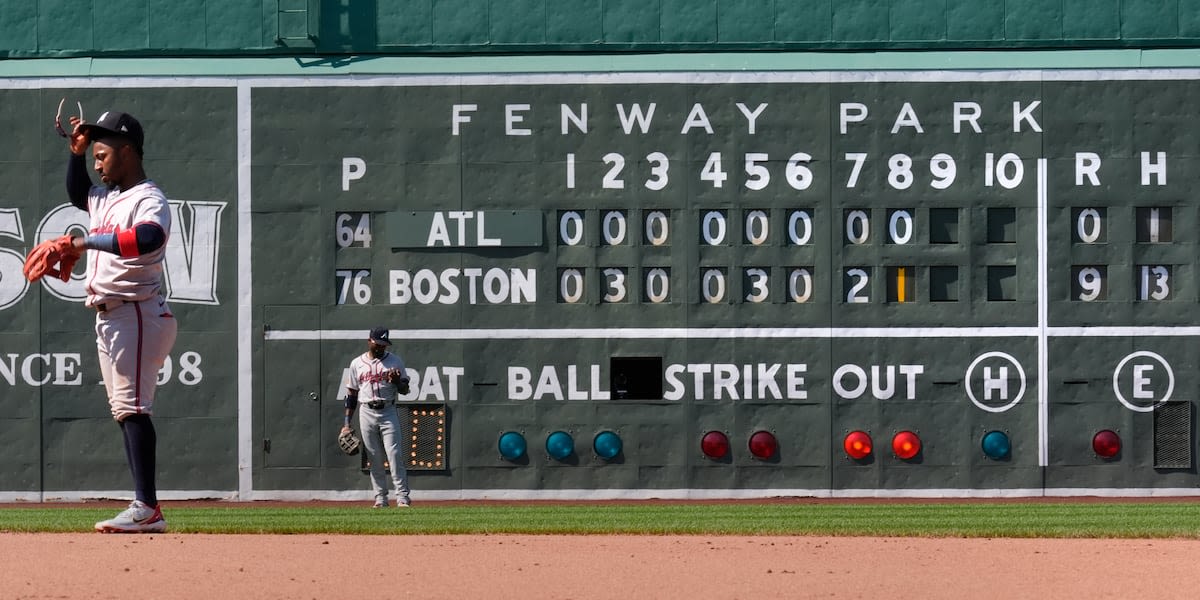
[829, 283]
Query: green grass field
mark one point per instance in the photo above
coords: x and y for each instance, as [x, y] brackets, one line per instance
[1007, 519]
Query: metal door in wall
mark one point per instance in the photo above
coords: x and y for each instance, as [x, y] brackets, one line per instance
[291, 424]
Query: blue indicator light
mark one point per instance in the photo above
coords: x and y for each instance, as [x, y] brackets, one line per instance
[607, 445]
[560, 445]
[996, 445]
[512, 445]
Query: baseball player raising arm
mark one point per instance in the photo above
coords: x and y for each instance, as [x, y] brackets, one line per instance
[130, 221]
[373, 380]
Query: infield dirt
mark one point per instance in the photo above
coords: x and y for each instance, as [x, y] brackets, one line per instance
[212, 567]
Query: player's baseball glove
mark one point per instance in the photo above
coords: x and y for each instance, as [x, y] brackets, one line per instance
[348, 441]
[56, 257]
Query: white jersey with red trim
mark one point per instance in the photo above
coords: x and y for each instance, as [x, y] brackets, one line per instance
[369, 375]
[113, 277]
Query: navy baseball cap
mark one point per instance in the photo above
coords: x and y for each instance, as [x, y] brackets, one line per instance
[379, 335]
[116, 123]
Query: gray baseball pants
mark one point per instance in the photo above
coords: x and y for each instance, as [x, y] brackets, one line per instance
[381, 436]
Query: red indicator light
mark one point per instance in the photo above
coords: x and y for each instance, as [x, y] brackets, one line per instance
[906, 445]
[1106, 443]
[714, 445]
[857, 444]
[763, 445]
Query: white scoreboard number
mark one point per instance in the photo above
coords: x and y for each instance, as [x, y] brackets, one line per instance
[1150, 282]
[616, 283]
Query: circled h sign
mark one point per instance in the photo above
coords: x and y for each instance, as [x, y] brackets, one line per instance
[1020, 373]
[1153, 403]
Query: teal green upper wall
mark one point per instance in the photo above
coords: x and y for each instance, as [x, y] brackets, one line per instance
[53, 28]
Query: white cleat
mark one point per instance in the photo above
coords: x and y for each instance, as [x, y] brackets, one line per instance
[138, 518]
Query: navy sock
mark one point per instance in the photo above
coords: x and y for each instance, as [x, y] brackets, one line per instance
[128, 446]
[140, 441]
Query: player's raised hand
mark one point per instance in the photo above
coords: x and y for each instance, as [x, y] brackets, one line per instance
[78, 139]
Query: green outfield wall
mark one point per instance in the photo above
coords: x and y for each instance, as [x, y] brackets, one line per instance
[653, 249]
[152, 28]
[618, 268]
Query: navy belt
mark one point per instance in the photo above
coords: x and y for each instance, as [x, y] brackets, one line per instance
[378, 404]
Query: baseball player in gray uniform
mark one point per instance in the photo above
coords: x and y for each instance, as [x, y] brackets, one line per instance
[130, 221]
[372, 382]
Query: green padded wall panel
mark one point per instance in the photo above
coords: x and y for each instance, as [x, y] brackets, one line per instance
[794, 254]
[50, 368]
[50, 28]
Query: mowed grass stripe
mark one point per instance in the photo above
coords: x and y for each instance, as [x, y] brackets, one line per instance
[1093, 520]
